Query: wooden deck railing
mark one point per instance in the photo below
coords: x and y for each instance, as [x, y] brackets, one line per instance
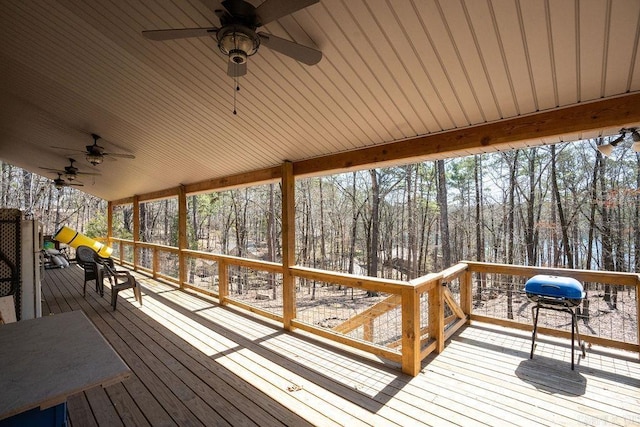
[398, 320]
[612, 323]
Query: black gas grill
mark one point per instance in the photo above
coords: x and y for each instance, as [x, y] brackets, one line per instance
[555, 293]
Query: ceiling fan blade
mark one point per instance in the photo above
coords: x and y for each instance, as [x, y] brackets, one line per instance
[88, 173]
[236, 70]
[121, 155]
[181, 33]
[68, 149]
[271, 10]
[51, 170]
[304, 54]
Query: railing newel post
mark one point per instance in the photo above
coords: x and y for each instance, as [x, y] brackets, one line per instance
[638, 313]
[411, 360]
[466, 293]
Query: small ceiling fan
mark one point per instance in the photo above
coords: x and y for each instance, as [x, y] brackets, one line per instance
[60, 182]
[237, 37]
[95, 153]
[70, 172]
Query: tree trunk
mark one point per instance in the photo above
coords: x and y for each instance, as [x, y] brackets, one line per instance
[563, 223]
[375, 225]
[530, 229]
[607, 243]
[412, 264]
[513, 167]
[323, 250]
[480, 284]
[444, 215]
[636, 222]
[354, 224]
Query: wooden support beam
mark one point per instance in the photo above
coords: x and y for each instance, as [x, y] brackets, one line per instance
[522, 132]
[288, 245]
[125, 201]
[136, 229]
[159, 195]
[588, 116]
[262, 176]
[183, 242]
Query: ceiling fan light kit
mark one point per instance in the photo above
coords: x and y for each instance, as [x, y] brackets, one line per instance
[238, 42]
[94, 159]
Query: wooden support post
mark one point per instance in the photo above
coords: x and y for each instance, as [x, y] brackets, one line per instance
[156, 263]
[223, 281]
[638, 313]
[183, 242]
[288, 245]
[436, 316]
[136, 230]
[411, 331]
[109, 222]
[466, 293]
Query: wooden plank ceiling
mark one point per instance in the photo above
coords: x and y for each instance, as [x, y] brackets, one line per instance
[391, 70]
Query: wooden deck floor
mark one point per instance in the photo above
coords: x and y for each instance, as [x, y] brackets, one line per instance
[197, 363]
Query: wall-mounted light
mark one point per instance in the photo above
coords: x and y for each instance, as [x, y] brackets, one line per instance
[607, 149]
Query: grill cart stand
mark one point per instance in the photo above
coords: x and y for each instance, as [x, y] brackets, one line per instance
[558, 294]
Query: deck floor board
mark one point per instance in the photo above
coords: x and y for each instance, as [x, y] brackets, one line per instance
[195, 362]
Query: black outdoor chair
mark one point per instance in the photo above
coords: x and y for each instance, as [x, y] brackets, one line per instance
[86, 258]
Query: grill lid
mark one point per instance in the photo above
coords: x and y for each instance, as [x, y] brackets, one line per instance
[555, 287]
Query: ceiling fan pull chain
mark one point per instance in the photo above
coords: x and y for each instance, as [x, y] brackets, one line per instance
[236, 89]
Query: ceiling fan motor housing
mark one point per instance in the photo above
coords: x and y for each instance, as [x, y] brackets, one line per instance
[238, 42]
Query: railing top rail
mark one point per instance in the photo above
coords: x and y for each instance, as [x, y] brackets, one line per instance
[234, 260]
[610, 277]
[423, 283]
[165, 248]
[453, 271]
[352, 280]
[118, 239]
